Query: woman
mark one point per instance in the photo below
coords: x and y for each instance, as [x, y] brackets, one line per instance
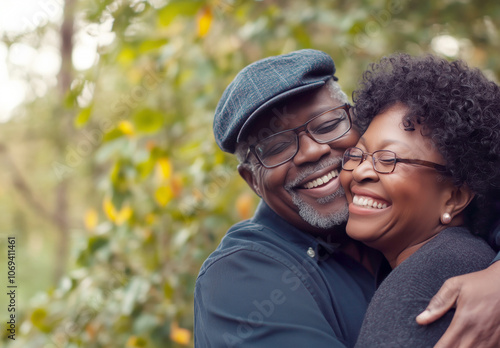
[421, 185]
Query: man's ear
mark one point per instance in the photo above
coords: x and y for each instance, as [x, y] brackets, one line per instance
[459, 198]
[248, 176]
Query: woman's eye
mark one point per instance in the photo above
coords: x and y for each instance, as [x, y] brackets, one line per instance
[386, 160]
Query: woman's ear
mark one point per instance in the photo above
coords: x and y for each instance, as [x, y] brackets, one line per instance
[459, 198]
[247, 174]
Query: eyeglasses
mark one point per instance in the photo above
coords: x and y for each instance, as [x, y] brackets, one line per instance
[384, 161]
[281, 147]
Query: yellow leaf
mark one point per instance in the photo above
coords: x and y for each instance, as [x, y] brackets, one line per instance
[180, 335]
[109, 209]
[126, 56]
[38, 316]
[165, 168]
[150, 219]
[205, 17]
[244, 205]
[126, 127]
[123, 215]
[163, 195]
[91, 219]
[136, 342]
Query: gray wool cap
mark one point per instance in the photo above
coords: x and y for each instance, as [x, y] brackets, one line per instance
[264, 83]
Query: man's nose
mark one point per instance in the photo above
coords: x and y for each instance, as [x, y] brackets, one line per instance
[309, 151]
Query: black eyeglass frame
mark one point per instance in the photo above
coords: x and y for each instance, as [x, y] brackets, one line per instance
[439, 167]
[346, 107]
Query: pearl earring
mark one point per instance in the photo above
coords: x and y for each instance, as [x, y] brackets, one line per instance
[446, 218]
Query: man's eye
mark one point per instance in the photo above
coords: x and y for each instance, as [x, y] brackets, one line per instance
[275, 149]
[329, 126]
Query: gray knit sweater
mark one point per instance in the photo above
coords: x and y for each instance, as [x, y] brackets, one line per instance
[390, 318]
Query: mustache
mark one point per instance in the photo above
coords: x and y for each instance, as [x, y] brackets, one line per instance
[311, 169]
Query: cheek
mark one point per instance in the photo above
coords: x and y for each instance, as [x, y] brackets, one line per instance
[270, 180]
[416, 196]
[350, 139]
[345, 180]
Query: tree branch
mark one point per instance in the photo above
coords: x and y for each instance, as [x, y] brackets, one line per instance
[24, 189]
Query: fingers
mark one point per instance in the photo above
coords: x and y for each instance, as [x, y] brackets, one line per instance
[442, 302]
[476, 323]
[452, 337]
[458, 336]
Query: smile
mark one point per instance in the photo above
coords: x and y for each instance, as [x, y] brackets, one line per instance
[322, 180]
[367, 202]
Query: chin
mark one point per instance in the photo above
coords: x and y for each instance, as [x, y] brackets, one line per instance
[360, 233]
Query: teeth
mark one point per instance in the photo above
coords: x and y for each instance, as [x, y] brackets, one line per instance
[323, 180]
[367, 202]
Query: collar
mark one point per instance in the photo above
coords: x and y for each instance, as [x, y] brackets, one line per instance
[314, 247]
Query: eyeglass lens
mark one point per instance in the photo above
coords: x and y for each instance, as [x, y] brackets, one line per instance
[324, 128]
[383, 161]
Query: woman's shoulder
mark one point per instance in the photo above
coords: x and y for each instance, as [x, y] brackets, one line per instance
[457, 247]
[454, 251]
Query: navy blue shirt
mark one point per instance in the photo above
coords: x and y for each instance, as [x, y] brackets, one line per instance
[269, 284]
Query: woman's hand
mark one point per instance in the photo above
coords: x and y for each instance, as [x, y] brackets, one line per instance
[476, 297]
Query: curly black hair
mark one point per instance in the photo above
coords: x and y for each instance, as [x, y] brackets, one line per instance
[457, 107]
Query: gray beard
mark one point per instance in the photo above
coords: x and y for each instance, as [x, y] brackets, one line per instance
[307, 212]
[314, 218]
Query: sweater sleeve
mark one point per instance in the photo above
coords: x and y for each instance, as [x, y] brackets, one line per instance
[405, 293]
[390, 319]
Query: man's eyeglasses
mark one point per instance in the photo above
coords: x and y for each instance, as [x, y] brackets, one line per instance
[281, 147]
[384, 161]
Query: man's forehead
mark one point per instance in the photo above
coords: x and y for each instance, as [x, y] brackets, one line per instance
[291, 113]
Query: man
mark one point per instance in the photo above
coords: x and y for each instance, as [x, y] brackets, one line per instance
[289, 277]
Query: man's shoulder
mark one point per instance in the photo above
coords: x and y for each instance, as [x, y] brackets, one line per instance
[250, 240]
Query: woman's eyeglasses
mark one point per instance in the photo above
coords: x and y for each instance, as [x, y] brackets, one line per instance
[384, 161]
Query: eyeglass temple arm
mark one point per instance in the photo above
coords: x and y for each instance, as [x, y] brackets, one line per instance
[436, 166]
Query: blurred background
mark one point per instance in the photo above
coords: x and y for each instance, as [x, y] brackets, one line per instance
[111, 181]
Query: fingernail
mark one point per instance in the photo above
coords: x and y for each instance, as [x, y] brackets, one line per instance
[424, 315]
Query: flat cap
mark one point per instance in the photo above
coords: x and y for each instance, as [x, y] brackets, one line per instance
[264, 83]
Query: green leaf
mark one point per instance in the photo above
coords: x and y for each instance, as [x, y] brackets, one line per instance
[136, 292]
[97, 242]
[82, 118]
[180, 7]
[148, 120]
[145, 168]
[39, 319]
[150, 45]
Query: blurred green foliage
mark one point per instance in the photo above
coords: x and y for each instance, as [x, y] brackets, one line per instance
[151, 194]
